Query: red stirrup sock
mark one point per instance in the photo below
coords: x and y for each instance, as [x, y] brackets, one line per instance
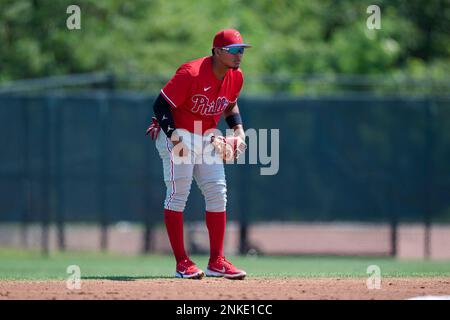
[174, 226]
[216, 223]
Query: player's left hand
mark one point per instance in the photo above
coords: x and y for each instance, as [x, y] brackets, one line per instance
[229, 147]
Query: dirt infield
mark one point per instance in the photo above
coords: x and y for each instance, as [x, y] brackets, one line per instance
[221, 289]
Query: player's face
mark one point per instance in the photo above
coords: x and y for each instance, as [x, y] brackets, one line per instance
[231, 58]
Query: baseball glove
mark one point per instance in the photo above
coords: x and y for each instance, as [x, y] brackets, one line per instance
[229, 147]
[154, 129]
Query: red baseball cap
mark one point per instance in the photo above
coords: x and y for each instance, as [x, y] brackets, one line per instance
[228, 38]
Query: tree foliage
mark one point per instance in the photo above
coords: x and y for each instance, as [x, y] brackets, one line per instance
[290, 37]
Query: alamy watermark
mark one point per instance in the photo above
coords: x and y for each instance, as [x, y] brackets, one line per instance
[374, 280]
[74, 280]
[73, 22]
[374, 20]
[263, 147]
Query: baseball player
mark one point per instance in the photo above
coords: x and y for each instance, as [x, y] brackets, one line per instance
[187, 109]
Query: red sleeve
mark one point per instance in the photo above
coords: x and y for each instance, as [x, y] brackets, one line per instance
[177, 89]
[237, 86]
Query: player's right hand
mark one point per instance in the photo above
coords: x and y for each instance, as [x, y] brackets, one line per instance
[229, 147]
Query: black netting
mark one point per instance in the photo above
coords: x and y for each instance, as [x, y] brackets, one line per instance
[358, 158]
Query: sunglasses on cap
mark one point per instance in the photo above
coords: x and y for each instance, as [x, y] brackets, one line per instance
[234, 50]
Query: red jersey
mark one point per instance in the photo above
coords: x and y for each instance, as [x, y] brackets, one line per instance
[195, 94]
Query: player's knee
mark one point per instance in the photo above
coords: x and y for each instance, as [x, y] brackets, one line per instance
[177, 194]
[215, 193]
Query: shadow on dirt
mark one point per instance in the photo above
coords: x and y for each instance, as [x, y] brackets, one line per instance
[126, 278]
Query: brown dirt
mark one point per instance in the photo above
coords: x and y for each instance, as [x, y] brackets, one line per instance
[221, 289]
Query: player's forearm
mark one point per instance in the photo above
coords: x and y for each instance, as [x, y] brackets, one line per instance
[164, 116]
[234, 120]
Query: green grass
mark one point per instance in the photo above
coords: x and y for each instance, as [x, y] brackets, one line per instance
[30, 265]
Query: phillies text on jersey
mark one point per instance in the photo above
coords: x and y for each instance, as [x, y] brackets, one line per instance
[195, 94]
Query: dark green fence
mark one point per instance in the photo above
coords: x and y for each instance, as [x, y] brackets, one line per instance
[84, 156]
